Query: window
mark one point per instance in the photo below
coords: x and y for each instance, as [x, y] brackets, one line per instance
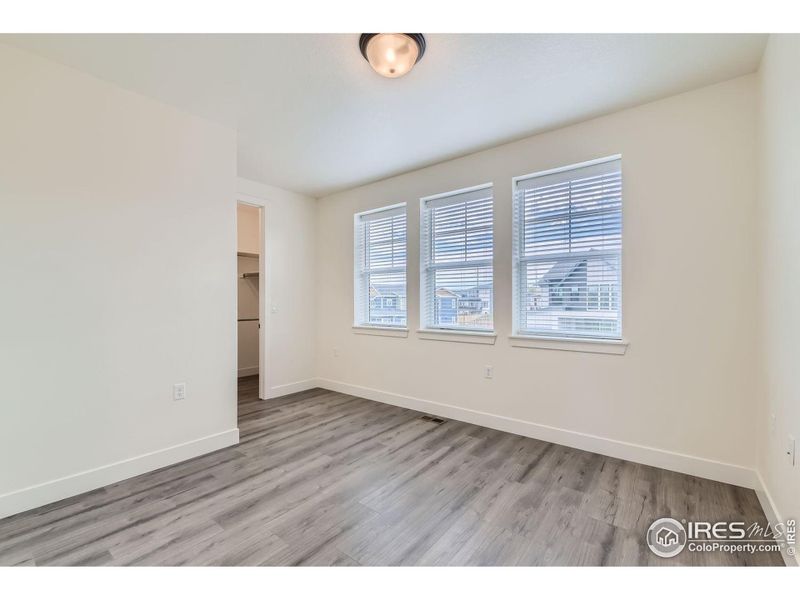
[456, 254]
[567, 252]
[380, 269]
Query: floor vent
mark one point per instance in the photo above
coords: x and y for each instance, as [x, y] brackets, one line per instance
[436, 420]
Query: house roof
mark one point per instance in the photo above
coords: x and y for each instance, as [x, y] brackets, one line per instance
[385, 290]
[561, 270]
[443, 293]
[564, 268]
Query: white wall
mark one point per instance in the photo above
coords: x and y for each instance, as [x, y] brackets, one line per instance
[779, 272]
[685, 385]
[290, 274]
[118, 266]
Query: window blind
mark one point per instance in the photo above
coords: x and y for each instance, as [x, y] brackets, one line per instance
[457, 248]
[380, 269]
[567, 252]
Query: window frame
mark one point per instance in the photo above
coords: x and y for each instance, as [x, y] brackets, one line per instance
[559, 337]
[427, 270]
[361, 306]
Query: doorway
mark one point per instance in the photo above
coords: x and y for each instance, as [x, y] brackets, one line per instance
[249, 289]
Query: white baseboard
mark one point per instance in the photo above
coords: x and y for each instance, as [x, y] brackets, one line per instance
[51, 491]
[764, 497]
[772, 514]
[292, 388]
[247, 371]
[654, 457]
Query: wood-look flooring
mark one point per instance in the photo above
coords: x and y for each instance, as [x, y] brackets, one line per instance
[322, 478]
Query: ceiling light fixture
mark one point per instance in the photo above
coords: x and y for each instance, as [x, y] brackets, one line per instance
[392, 54]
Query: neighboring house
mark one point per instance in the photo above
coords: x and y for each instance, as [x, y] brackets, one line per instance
[580, 284]
[446, 307]
[572, 286]
[463, 307]
[387, 304]
[476, 300]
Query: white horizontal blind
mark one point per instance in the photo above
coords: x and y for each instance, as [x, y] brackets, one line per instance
[568, 244]
[457, 243]
[380, 269]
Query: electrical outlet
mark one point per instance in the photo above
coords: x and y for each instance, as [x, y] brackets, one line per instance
[488, 371]
[790, 451]
[179, 391]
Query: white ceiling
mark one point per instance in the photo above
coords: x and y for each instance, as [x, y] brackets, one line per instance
[313, 117]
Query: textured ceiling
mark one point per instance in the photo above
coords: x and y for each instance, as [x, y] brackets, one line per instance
[313, 117]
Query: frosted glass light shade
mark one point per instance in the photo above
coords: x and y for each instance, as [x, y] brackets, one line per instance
[392, 54]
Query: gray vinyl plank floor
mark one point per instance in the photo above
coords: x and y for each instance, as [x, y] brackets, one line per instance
[322, 478]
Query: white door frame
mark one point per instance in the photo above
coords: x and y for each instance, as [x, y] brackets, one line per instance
[263, 287]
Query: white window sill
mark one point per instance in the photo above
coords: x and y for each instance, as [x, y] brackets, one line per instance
[401, 332]
[453, 335]
[570, 344]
